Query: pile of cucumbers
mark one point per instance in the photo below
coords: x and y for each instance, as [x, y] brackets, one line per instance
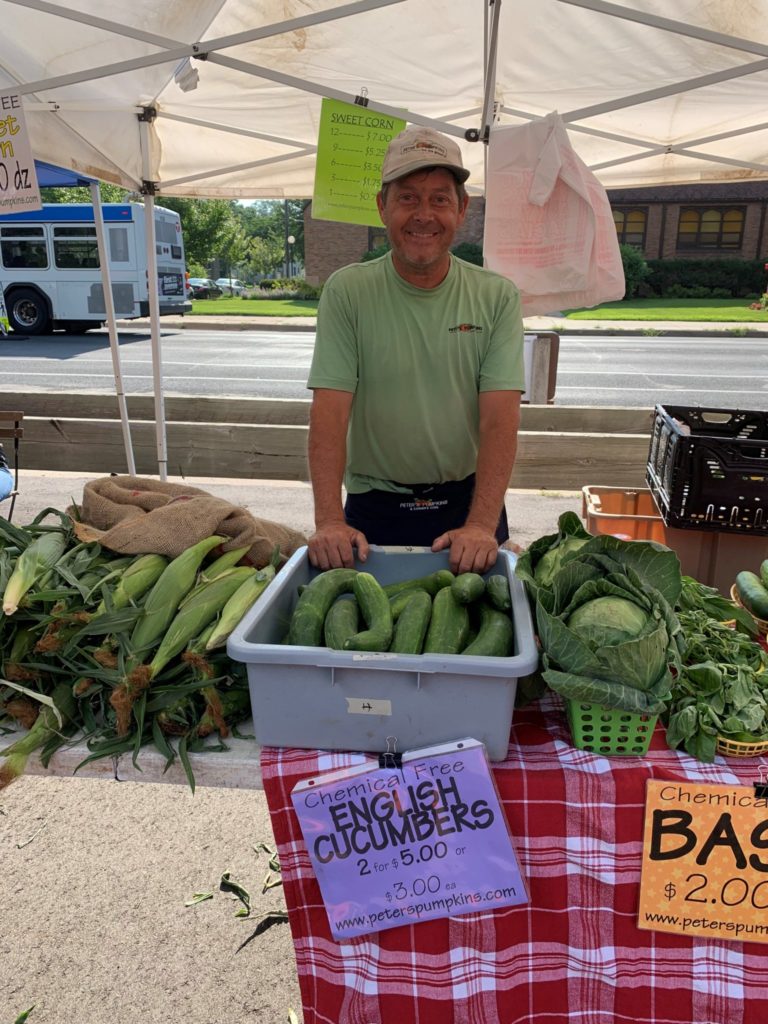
[349, 610]
[752, 591]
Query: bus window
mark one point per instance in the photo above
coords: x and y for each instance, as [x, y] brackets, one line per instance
[166, 231]
[23, 247]
[75, 247]
[118, 245]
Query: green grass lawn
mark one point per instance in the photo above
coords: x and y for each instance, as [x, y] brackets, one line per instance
[234, 306]
[713, 310]
[692, 310]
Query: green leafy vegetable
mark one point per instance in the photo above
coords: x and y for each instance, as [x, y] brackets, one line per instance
[721, 688]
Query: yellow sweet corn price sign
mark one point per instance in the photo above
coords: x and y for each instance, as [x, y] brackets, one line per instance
[705, 861]
[351, 144]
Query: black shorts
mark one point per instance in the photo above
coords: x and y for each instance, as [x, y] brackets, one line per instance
[417, 519]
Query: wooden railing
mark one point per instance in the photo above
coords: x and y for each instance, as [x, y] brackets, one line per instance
[560, 447]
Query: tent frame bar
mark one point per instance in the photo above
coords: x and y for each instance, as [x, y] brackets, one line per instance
[178, 51]
[679, 28]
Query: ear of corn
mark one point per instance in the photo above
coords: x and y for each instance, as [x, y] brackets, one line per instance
[203, 582]
[226, 561]
[45, 728]
[236, 607]
[140, 575]
[196, 614]
[32, 564]
[165, 596]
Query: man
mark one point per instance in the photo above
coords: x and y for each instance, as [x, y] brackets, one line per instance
[417, 376]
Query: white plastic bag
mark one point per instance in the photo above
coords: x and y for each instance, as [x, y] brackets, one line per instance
[548, 222]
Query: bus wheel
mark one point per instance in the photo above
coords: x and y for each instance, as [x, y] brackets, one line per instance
[28, 313]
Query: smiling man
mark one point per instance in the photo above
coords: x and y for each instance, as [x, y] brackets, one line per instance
[416, 376]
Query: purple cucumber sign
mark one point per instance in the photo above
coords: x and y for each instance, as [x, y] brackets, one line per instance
[396, 846]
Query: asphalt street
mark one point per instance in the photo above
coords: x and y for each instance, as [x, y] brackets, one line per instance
[612, 371]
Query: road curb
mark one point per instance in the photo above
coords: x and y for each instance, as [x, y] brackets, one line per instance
[644, 328]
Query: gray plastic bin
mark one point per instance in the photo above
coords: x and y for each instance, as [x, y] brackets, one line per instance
[343, 700]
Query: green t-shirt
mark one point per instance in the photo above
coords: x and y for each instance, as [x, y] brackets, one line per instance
[415, 360]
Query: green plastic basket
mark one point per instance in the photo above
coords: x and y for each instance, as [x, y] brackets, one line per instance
[608, 730]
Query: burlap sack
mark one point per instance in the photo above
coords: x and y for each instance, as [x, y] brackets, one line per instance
[137, 515]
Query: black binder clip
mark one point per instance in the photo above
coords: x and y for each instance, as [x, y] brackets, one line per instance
[391, 758]
[761, 787]
[362, 99]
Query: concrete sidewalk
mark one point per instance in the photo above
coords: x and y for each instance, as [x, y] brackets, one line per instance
[531, 513]
[671, 328]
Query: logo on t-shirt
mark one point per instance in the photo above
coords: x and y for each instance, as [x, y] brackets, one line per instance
[464, 328]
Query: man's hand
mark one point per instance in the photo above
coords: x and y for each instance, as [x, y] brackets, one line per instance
[331, 546]
[472, 548]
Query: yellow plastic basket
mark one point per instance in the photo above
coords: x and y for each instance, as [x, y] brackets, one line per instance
[609, 731]
[734, 748]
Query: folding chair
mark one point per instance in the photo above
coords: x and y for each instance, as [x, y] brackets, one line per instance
[11, 428]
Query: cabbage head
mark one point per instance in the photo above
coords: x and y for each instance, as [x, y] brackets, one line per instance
[608, 640]
[552, 560]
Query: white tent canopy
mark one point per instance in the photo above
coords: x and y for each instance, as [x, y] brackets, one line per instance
[648, 99]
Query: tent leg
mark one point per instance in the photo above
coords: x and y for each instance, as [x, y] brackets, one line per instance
[154, 323]
[109, 307]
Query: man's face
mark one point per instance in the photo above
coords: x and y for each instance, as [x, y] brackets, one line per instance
[422, 213]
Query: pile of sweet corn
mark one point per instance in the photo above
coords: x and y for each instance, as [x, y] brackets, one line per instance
[122, 651]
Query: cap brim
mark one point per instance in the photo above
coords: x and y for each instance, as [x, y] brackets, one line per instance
[460, 173]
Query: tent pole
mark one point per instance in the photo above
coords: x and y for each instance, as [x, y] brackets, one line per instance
[154, 326]
[491, 50]
[109, 307]
[145, 120]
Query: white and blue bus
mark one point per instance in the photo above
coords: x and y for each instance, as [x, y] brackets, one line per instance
[49, 266]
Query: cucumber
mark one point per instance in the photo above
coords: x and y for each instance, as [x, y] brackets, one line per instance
[496, 636]
[449, 625]
[399, 601]
[432, 583]
[497, 592]
[411, 626]
[374, 605]
[752, 594]
[342, 621]
[468, 587]
[306, 628]
[764, 573]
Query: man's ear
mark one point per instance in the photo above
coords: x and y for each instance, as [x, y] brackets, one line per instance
[463, 209]
[380, 204]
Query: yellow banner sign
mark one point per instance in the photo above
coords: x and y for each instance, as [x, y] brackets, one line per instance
[351, 144]
[18, 179]
[705, 861]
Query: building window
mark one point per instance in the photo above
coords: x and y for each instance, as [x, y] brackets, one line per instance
[714, 227]
[630, 226]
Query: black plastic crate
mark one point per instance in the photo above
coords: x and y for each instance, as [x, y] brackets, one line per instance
[708, 468]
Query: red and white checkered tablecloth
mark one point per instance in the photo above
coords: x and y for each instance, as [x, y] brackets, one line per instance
[574, 954]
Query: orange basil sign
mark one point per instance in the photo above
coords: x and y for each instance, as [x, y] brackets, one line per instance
[705, 861]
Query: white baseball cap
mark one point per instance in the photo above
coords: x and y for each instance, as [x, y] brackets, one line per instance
[417, 147]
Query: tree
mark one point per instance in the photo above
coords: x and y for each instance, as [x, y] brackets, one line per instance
[273, 220]
[207, 226]
[635, 269]
[82, 194]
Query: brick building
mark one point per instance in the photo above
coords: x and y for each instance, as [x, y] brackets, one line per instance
[714, 221]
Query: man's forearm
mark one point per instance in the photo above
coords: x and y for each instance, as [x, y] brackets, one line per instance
[499, 423]
[327, 450]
